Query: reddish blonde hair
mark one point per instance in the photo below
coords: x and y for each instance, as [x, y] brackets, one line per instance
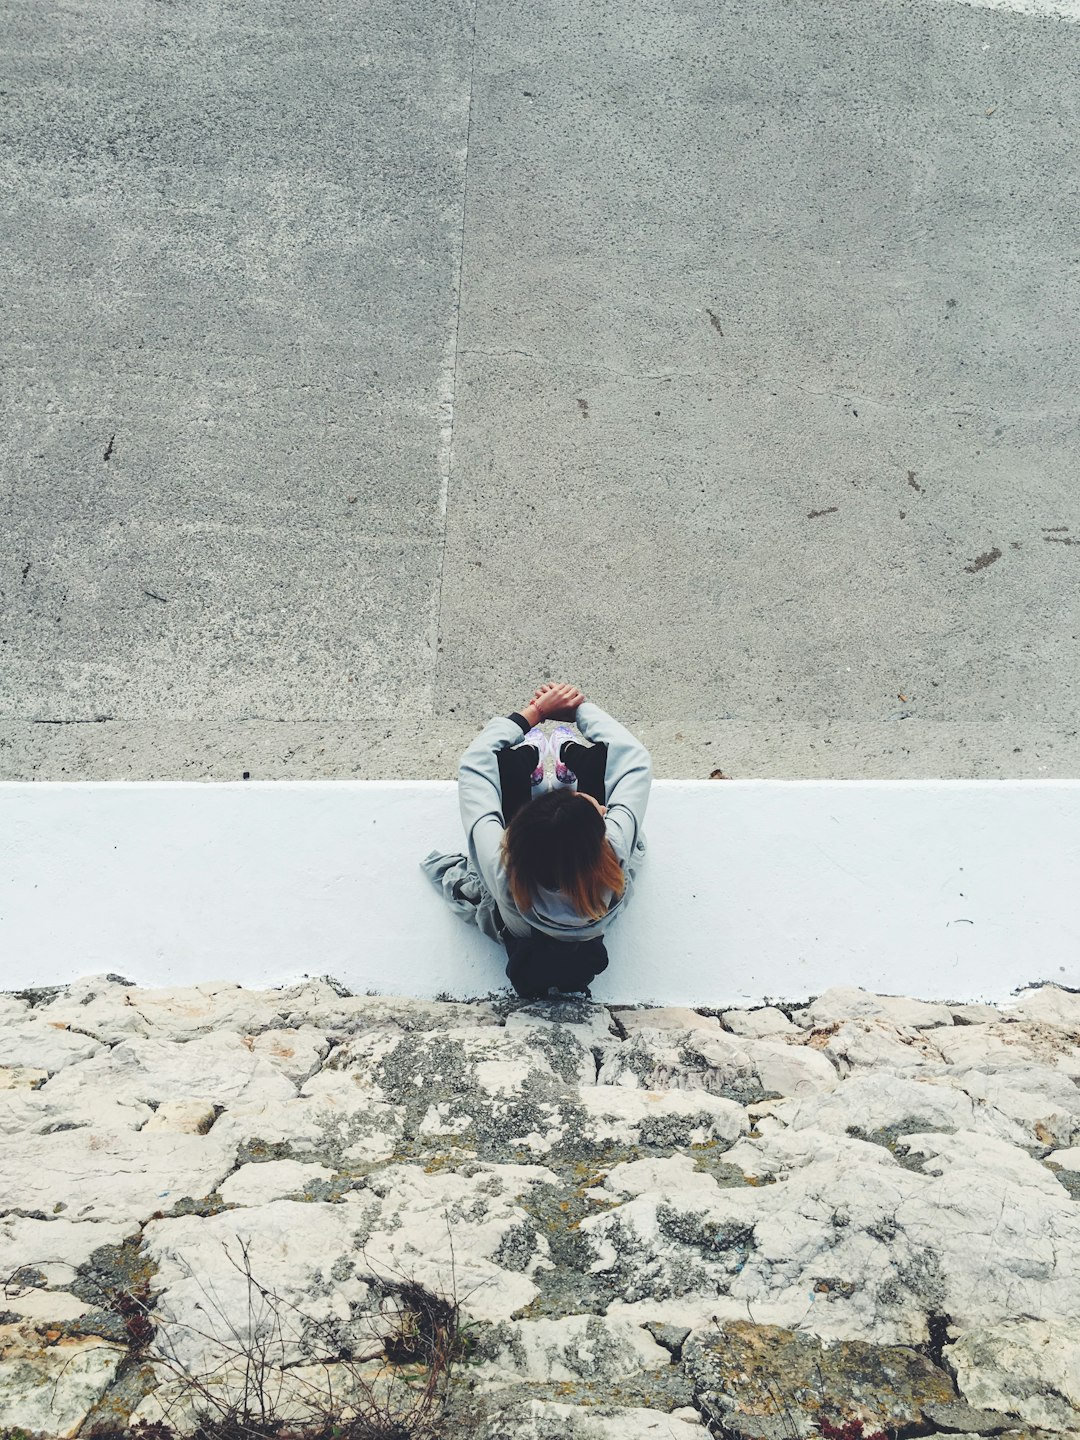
[559, 841]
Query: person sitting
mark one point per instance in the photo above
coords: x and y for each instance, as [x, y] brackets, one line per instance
[550, 861]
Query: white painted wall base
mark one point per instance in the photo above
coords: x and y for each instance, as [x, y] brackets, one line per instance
[961, 890]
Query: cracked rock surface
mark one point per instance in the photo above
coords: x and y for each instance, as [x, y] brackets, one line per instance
[653, 1222]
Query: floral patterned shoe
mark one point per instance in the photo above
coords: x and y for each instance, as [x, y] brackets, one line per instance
[539, 741]
[556, 740]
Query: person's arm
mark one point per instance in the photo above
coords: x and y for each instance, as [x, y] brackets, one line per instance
[480, 796]
[627, 778]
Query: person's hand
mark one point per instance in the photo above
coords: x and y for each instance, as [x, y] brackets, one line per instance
[557, 701]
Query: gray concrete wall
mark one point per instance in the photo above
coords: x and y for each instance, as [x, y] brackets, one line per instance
[367, 363]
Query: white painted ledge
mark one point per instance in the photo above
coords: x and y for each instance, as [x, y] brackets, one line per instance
[960, 890]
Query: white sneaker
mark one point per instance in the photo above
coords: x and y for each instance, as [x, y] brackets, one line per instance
[556, 740]
[537, 738]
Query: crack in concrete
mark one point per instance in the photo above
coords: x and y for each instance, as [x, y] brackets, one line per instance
[448, 401]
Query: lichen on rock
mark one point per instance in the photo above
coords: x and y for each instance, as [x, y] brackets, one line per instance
[865, 1206]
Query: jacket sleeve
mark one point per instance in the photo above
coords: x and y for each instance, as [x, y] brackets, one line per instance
[480, 801]
[627, 779]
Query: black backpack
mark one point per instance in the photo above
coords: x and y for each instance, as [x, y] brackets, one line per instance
[536, 963]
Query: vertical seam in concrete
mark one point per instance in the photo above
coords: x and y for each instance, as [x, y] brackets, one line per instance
[448, 388]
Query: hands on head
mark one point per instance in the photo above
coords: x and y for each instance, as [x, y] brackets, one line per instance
[554, 701]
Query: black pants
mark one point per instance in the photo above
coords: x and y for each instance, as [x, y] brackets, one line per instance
[516, 764]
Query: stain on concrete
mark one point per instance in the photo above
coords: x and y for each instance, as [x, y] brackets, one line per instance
[982, 561]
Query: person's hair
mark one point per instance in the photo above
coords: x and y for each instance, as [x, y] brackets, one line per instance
[559, 841]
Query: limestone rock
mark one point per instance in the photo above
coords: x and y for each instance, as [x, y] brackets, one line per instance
[110, 1175]
[35, 1112]
[12, 1009]
[115, 1011]
[979, 1226]
[1017, 1042]
[879, 1102]
[585, 1019]
[959, 1418]
[271, 1180]
[301, 1394]
[876, 1044]
[21, 1077]
[1051, 1005]
[841, 1181]
[181, 1013]
[297, 1053]
[758, 1024]
[1043, 1103]
[975, 1014]
[1000, 1043]
[405, 1068]
[447, 1230]
[53, 1387]
[496, 1093]
[98, 1006]
[673, 1175]
[574, 1348]
[743, 1369]
[55, 1247]
[553, 1420]
[33, 1043]
[665, 1017]
[342, 1122]
[718, 1063]
[295, 1251]
[214, 1068]
[43, 1307]
[183, 1117]
[658, 1117]
[341, 1016]
[1007, 1234]
[325, 1265]
[1029, 1368]
[977, 1157]
[775, 1152]
[660, 1246]
[791, 1069]
[570, 1033]
[757, 1427]
[847, 1002]
[357, 1066]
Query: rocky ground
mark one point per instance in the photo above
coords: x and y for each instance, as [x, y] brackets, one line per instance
[654, 1223]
